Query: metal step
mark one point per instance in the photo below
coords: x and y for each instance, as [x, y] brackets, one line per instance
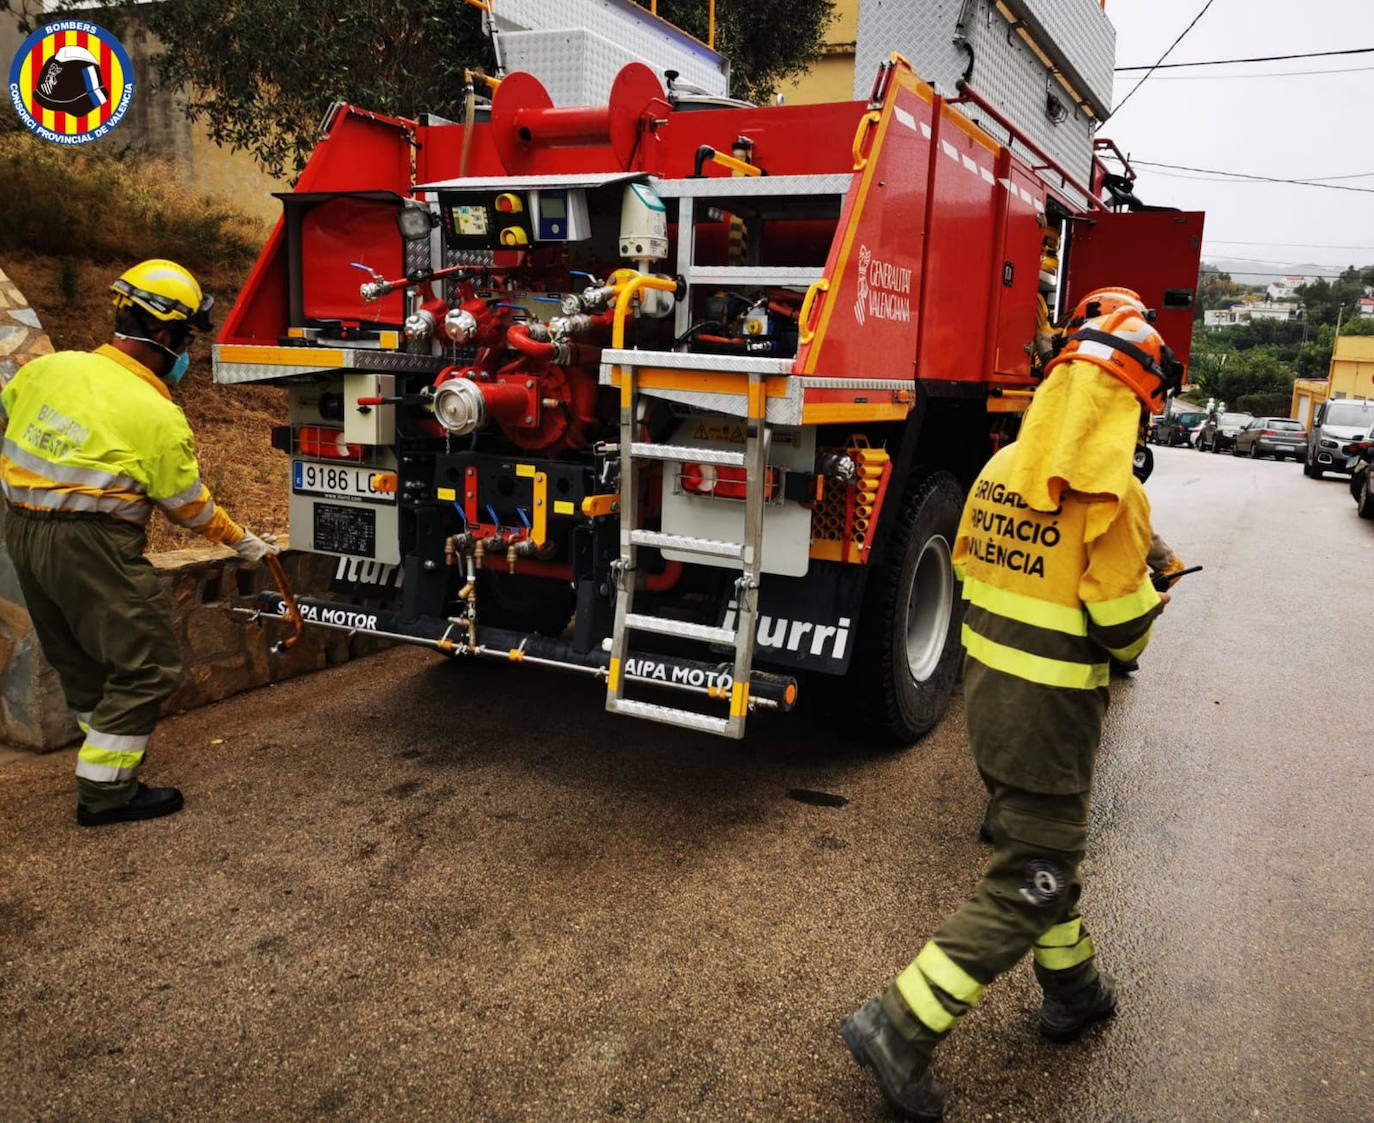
[687, 719]
[681, 628]
[685, 543]
[685, 453]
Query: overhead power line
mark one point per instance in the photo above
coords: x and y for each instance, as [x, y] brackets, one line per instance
[1288, 245]
[1236, 61]
[1158, 62]
[1242, 77]
[1246, 178]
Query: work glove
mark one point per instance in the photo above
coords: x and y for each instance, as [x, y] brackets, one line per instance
[253, 549]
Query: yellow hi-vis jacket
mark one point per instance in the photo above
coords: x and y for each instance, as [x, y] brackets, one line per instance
[97, 433]
[1045, 609]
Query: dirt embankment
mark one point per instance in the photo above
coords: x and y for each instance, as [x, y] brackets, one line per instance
[71, 223]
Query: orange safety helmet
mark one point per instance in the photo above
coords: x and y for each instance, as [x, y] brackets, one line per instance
[1103, 302]
[1126, 344]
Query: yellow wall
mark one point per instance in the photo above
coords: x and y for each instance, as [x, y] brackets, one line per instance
[1351, 376]
[831, 77]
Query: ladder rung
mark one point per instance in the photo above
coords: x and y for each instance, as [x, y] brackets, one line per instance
[664, 627]
[685, 453]
[687, 544]
[687, 719]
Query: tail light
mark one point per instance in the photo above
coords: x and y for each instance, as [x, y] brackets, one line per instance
[722, 482]
[327, 444]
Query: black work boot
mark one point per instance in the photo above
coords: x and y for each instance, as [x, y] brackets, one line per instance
[1064, 1015]
[147, 803]
[903, 1073]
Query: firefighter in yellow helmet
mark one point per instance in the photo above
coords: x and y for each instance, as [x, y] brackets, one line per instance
[1051, 550]
[93, 442]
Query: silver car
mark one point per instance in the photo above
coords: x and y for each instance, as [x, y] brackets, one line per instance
[1338, 422]
[1270, 436]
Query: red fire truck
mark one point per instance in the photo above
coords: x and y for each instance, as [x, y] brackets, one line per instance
[680, 396]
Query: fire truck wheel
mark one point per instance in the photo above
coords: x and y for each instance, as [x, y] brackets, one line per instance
[524, 604]
[906, 656]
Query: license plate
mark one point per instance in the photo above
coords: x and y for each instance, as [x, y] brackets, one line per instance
[338, 481]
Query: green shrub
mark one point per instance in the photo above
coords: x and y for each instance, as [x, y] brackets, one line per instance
[1265, 405]
[102, 207]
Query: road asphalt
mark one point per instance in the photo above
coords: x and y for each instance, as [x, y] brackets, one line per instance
[406, 889]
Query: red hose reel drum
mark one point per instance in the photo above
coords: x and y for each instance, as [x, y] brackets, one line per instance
[524, 120]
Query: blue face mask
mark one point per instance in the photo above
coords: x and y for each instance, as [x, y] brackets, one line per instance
[179, 368]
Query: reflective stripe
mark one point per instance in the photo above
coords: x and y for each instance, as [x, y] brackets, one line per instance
[181, 498]
[1034, 668]
[1061, 959]
[1130, 607]
[200, 518]
[1130, 651]
[106, 766]
[1062, 935]
[948, 975]
[83, 721]
[118, 742]
[921, 1000]
[1028, 610]
[47, 499]
[67, 474]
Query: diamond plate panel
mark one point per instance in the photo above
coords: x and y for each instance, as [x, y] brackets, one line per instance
[1006, 71]
[1081, 29]
[576, 50]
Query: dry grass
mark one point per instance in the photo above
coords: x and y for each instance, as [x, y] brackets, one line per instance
[72, 222]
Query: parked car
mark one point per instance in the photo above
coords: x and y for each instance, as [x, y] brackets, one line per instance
[1359, 462]
[1278, 437]
[1175, 428]
[1219, 434]
[1337, 423]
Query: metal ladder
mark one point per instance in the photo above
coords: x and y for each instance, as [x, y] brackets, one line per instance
[747, 555]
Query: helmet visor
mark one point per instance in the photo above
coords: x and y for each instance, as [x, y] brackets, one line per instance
[168, 307]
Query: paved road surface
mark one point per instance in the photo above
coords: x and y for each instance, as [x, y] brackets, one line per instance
[412, 890]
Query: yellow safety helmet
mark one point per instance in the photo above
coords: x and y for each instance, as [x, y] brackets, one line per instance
[165, 291]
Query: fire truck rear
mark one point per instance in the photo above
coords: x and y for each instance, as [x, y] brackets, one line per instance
[674, 392]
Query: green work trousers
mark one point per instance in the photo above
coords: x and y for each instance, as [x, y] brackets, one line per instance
[1026, 901]
[103, 622]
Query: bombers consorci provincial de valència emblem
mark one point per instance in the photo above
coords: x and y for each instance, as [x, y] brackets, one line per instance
[71, 82]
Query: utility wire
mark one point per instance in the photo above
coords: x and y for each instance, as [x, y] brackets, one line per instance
[1242, 77]
[1159, 62]
[1289, 245]
[1263, 178]
[1233, 61]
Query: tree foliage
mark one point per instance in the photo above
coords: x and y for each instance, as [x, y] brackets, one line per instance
[261, 73]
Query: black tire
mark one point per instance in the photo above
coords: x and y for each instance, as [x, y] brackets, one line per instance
[1144, 462]
[1316, 471]
[1254, 451]
[1235, 449]
[892, 703]
[1364, 502]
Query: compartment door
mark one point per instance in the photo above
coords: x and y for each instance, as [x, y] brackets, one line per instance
[1156, 253]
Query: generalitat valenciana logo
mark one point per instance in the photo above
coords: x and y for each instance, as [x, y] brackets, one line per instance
[71, 82]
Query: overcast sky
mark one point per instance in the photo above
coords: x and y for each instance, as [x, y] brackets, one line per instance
[1318, 125]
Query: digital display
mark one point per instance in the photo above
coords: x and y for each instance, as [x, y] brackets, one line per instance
[470, 221]
[553, 206]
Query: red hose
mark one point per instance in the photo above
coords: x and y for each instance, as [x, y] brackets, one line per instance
[518, 336]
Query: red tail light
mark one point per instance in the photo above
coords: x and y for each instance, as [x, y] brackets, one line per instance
[328, 444]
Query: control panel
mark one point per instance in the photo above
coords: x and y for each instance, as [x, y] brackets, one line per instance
[490, 220]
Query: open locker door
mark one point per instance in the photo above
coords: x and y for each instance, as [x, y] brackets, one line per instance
[1156, 253]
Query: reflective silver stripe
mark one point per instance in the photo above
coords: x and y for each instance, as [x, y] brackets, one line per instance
[46, 500]
[66, 473]
[103, 773]
[200, 519]
[181, 498]
[118, 742]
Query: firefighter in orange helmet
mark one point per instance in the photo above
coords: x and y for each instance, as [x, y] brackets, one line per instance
[1051, 550]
